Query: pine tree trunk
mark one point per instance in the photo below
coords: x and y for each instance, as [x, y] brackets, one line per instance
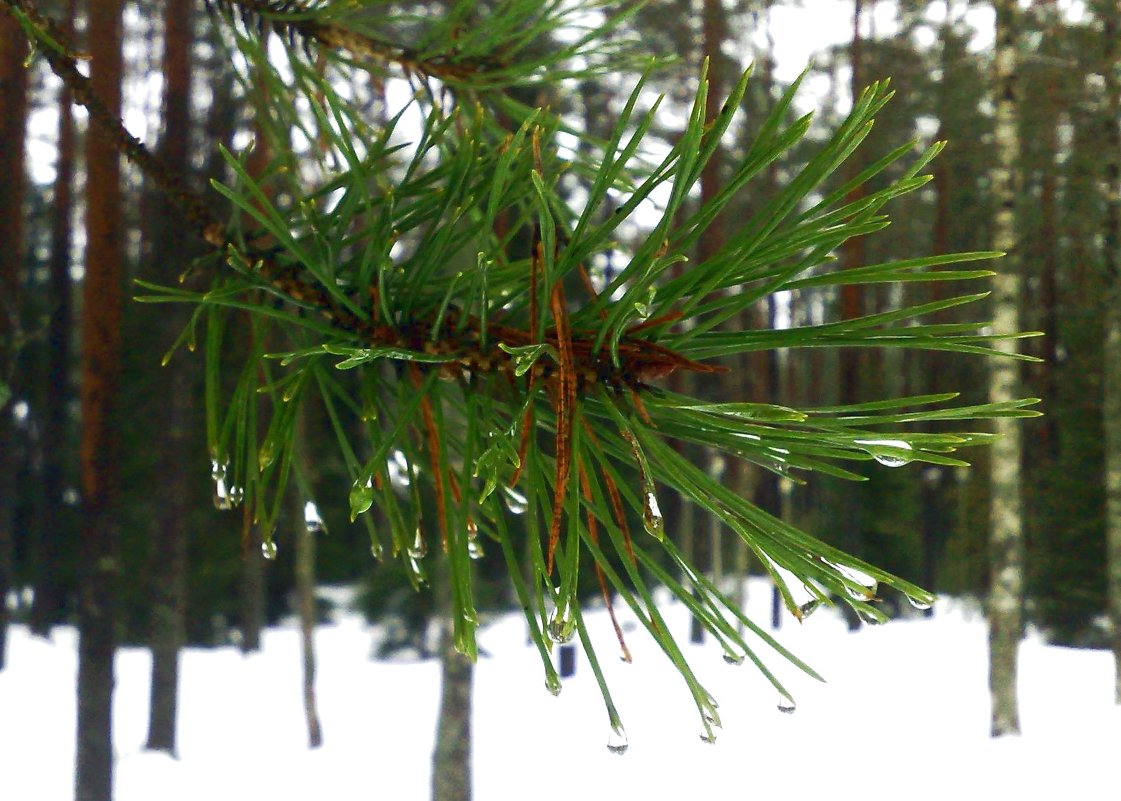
[306, 529]
[169, 602]
[850, 520]
[101, 355]
[13, 119]
[57, 523]
[451, 758]
[1006, 546]
[1111, 355]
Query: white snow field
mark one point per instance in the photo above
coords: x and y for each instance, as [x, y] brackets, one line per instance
[904, 714]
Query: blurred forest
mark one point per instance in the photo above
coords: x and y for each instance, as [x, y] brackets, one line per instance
[926, 523]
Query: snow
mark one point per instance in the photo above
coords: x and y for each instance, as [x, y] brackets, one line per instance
[905, 711]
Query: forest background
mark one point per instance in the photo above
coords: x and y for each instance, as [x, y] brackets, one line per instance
[927, 523]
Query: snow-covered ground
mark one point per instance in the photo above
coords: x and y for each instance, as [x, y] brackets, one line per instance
[905, 713]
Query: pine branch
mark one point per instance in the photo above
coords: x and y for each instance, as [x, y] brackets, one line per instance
[476, 348]
[295, 21]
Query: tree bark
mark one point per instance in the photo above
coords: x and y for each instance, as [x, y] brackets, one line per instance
[101, 355]
[57, 521]
[13, 120]
[169, 554]
[1006, 545]
[306, 528]
[451, 758]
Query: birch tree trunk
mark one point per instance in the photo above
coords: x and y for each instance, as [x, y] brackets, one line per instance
[1006, 546]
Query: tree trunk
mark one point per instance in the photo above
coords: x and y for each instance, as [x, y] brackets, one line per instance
[101, 346]
[57, 522]
[13, 118]
[1006, 545]
[850, 521]
[1111, 356]
[169, 567]
[307, 525]
[451, 758]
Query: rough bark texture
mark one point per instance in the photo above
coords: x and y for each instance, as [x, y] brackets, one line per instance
[1006, 545]
[169, 550]
[1111, 356]
[101, 329]
[451, 758]
[13, 115]
[57, 522]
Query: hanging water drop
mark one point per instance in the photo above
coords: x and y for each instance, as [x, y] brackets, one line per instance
[515, 501]
[617, 739]
[808, 608]
[221, 495]
[268, 549]
[733, 659]
[218, 470]
[922, 606]
[869, 617]
[474, 546]
[562, 626]
[553, 684]
[888, 452]
[652, 515]
[708, 736]
[786, 705]
[377, 551]
[419, 548]
[236, 494]
[313, 520]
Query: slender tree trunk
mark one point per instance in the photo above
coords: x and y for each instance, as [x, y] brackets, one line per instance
[169, 602]
[1111, 66]
[13, 117]
[101, 356]
[1006, 545]
[851, 517]
[47, 604]
[308, 524]
[451, 759]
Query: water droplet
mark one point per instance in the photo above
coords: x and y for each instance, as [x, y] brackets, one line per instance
[888, 452]
[236, 494]
[808, 608]
[312, 519]
[652, 515]
[377, 551]
[786, 705]
[708, 736]
[711, 717]
[268, 549]
[266, 454]
[617, 740]
[733, 659]
[474, 546]
[562, 626]
[918, 604]
[868, 585]
[361, 497]
[419, 548]
[553, 684]
[218, 470]
[515, 501]
[221, 495]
